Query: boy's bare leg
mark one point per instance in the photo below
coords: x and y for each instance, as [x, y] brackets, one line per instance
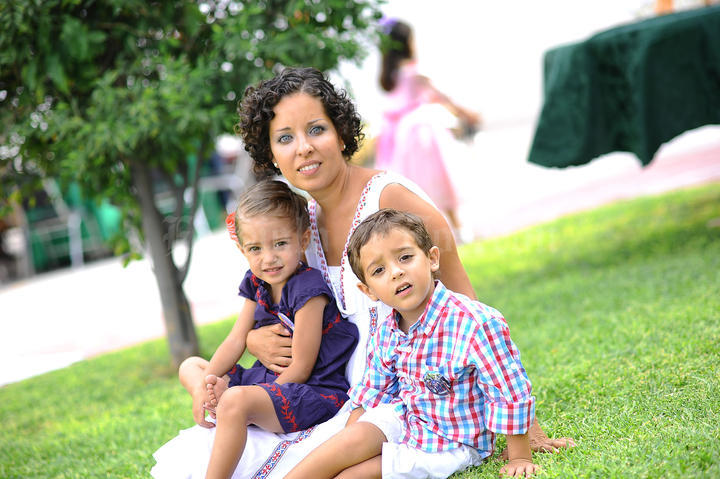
[352, 446]
[215, 387]
[238, 407]
[370, 469]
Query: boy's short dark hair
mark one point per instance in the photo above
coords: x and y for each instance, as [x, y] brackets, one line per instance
[272, 198]
[381, 223]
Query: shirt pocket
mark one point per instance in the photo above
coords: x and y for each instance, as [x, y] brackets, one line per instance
[440, 379]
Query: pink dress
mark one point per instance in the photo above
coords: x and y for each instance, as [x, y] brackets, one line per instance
[411, 141]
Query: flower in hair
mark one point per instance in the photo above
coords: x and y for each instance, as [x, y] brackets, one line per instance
[387, 23]
[230, 224]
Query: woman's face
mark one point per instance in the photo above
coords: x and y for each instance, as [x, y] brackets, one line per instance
[304, 142]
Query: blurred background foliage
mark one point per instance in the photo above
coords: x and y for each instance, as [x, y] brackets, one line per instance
[89, 87]
[120, 101]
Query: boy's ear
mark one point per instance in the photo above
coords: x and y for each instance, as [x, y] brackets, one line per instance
[434, 256]
[363, 287]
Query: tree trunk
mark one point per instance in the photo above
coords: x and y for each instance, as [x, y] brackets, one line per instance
[176, 308]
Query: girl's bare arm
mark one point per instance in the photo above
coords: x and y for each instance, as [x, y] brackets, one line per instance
[305, 342]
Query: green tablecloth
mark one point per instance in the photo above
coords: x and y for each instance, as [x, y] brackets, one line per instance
[630, 88]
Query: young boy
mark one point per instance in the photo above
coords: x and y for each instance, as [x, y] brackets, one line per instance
[443, 375]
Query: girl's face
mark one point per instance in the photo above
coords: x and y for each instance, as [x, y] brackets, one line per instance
[272, 247]
[304, 142]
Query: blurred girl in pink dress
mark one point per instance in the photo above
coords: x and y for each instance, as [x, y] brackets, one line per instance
[412, 140]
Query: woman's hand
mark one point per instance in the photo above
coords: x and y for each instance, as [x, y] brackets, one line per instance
[540, 442]
[272, 345]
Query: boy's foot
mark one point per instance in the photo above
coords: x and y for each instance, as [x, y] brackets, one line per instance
[216, 387]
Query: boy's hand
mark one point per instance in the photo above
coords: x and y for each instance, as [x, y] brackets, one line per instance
[519, 468]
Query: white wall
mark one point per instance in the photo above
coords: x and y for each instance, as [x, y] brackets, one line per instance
[488, 54]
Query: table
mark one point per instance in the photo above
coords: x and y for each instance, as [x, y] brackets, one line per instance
[631, 88]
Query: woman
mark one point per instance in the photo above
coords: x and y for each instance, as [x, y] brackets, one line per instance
[298, 125]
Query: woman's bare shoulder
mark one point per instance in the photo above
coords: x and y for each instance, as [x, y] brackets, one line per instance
[397, 196]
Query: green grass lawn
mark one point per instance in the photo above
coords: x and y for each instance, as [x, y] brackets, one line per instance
[616, 313]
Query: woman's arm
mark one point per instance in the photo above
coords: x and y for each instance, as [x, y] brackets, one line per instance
[272, 345]
[306, 341]
[452, 273]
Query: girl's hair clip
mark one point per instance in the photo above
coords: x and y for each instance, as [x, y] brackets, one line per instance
[230, 224]
[387, 23]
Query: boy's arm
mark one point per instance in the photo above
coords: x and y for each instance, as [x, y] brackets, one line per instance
[306, 341]
[355, 415]
[379, 383]
[519, 457]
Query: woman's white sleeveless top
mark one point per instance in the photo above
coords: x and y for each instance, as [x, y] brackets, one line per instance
[352, 303]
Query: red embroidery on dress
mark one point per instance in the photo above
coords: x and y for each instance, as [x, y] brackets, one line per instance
[327, 328]
[285, 409]
[258, 296]
[333, 397]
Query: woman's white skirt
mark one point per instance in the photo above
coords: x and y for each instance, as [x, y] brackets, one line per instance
[266, 455]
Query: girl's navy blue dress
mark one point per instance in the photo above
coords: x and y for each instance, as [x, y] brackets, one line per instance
[300, 406]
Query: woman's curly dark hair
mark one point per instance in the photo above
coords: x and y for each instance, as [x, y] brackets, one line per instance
[256, 111]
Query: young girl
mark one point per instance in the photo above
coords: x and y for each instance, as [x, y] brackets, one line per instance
[412, 142]
[271, 228]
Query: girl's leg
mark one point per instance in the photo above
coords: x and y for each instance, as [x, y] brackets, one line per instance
[238, 407]
[192, 373]
[353, 445]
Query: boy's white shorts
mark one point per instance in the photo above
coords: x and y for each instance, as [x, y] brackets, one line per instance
[400, 461]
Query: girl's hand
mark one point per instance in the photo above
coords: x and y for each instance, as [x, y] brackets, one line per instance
[200, 397]
[272, 345]
[519, 468]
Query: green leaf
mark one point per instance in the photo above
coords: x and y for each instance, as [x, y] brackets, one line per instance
[55, 71]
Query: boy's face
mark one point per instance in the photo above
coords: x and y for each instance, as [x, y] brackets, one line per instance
[398, 273]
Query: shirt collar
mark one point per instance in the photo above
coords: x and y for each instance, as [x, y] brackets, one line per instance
[432, 313]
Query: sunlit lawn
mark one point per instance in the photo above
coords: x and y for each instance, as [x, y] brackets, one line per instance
[616, 313]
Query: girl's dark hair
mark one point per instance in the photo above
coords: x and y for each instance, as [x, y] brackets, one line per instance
[396, 48]
[272, 198]
[256, 111]
[381, 223]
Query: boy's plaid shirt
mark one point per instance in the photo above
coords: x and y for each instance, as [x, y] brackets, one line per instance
[462, 350]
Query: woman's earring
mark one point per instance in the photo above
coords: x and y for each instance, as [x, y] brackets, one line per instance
[275, 165]
[343, 147]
